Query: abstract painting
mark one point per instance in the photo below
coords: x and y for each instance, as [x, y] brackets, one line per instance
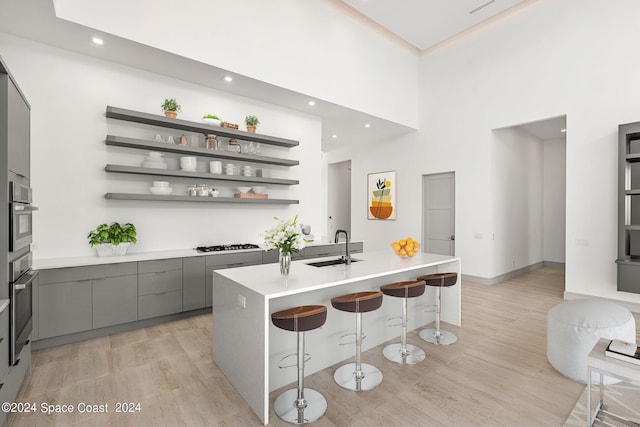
[381, 195]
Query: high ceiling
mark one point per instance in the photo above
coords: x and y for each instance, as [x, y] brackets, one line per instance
[422, 22]
[426, 23]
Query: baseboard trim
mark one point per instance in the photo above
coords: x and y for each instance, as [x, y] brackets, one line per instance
[502, 277]
[631, 306]
[554, 264]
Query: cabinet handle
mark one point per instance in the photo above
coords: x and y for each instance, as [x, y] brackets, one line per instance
[17, 361]
[235, 264]
[1, 385]
[27, 342]
[161, 272]
[1, 339]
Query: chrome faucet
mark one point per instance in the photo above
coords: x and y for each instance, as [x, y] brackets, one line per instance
[347, 256]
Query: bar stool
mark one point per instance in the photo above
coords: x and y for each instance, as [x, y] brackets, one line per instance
[300, 405]
[358, 376]
[402, 352]
[439, 280]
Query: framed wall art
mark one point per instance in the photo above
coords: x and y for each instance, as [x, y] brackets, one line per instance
[381, 195]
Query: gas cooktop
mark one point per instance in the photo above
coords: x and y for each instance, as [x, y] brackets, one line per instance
[234, 247]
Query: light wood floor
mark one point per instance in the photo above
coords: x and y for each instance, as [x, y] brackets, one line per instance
[496, 374]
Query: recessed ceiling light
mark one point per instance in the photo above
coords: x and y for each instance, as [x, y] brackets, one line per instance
[228, 79]
[367, 125]
[334, 136]
[97, 40]
[311, 103]
[563, 130]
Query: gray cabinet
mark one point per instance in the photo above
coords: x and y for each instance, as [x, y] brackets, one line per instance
[114, 300]
[4, 342]
[64, 308]
[230, 260]
[159, 287]
[194, 279]
[629, 207]
[18, 129]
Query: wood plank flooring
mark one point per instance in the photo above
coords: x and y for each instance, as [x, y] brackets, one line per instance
[497, 373]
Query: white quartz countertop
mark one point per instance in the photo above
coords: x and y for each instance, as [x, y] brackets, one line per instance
[266, 279]
[79, 261]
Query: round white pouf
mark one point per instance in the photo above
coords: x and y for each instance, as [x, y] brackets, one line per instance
[574, 327]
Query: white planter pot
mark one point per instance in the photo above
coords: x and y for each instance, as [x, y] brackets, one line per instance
[213, 122]
[108, 249]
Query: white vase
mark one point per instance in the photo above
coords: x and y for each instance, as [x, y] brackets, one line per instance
[108, 249]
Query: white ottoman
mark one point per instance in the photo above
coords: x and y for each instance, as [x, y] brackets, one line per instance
[574, 327]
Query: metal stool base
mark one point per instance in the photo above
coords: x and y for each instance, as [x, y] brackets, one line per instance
[285, 406]
[430, 335]
[345, 377]
[413, 355]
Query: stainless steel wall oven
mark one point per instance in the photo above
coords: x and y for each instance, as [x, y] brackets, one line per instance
[20, 217]
[21, 278]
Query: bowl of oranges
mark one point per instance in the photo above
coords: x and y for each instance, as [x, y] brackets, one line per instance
[406, 248]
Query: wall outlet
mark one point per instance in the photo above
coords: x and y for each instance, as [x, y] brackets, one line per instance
[242, 301]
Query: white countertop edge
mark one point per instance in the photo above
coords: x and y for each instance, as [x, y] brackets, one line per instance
[81, 261]
[4, 303]
[266, 280]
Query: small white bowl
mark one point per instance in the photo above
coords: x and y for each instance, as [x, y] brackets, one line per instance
[259, 189]
[243, 189]
[161, 191]
[161, 184]
[155, 155]
[188, 160]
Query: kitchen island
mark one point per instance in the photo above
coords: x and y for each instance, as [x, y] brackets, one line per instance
[247, 347]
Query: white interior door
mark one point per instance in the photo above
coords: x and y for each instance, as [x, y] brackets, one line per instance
[438, 197]
[339, 198]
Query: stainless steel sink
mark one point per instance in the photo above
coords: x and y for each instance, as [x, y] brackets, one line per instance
[330, 262]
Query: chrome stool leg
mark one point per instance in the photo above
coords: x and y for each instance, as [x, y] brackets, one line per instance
[358, 376]
[402, 352]
[438, 336]
[300, 405]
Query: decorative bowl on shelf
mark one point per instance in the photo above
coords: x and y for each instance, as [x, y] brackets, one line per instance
[161, 191]
[259, 189]
[244, 189]
[406, 248]
[210, 121]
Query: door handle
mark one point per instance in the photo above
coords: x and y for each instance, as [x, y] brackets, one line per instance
[453, 237]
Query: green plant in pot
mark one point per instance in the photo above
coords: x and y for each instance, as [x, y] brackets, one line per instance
[251, 122]
[112, 240]
[171, 107]
[211, 119]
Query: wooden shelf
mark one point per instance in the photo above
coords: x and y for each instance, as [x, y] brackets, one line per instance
[185, 125]
[199, 175]
[171, 198]
[143, 144]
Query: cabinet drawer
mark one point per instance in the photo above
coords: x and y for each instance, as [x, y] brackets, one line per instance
[193, 283]
[13, 380]
[4, 342]
[115, 300]
[160, 265]
[73, 274]
[163, 281]
[159, 304]
[234, 259]
[325, 250]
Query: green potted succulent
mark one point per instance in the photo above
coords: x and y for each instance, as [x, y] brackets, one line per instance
[171, 107]
[251, 122]
[112, 240]
[211, 119]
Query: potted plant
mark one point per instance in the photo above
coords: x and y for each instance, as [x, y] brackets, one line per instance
[112, 240]
[211, 119]
[251, 122]
[171, 108]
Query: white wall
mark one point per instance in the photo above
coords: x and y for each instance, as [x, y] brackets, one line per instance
[339, 198]
[554, 200]
[68, 94]
[320, 48]
[517, 201]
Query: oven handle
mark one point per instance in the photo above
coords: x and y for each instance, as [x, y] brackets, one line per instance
[24, 208]
[25, 280]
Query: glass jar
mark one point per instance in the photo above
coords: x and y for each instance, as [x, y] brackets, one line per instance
[233, 146]
[192, 190]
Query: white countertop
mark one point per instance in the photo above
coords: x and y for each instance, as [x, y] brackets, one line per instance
[266, 279]
[79, 261]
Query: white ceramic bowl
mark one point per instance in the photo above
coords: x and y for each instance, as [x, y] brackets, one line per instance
[243, 189]
[188, 160]
[259, 189]
[155, 156]
[210, 121]
[161, 184]
[161, 191]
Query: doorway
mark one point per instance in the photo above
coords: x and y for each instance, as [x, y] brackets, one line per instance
[438, 213]
[339, 197]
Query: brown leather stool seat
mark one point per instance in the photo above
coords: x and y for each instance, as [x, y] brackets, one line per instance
[358, 376]
[409, 289]
[300, 319]
[403, 353]
[359, 302]
[300, 405]
[439, 281]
